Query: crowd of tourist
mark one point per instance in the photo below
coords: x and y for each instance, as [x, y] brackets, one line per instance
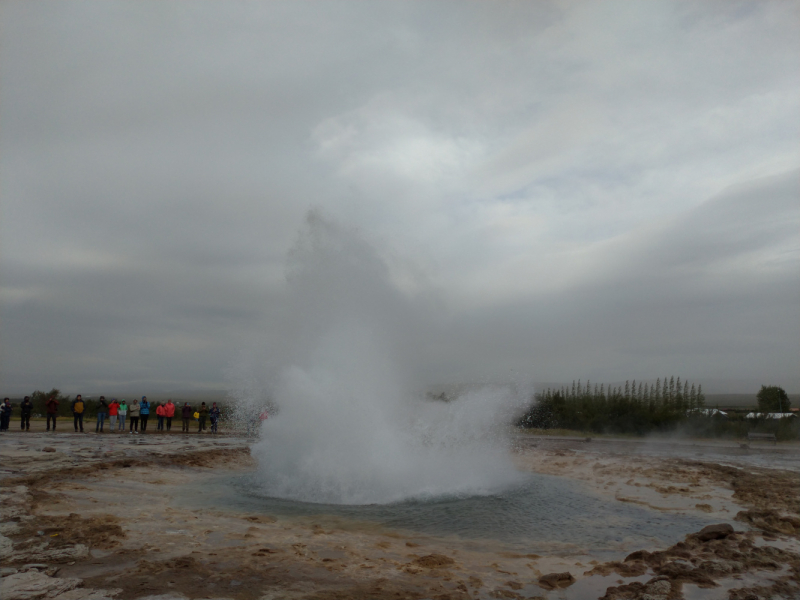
[137, 415]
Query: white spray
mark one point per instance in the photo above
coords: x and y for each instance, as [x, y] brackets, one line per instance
[350, 425]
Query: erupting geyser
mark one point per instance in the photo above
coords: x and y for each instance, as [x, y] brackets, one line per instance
[350, 424]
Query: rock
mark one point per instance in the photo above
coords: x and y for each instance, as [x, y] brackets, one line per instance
[6, 548]
[33, 585]
[6, 571]
[684, 572]
[713, 532]
[56, 555]
[659, 587]
[262, 519]
[49, 448]
[676, 569]
[434, 561]
[9, 528]
[638, 555]
[88, 594]
[716, 566]
[770, 521]
[30, 566]
[552, 581]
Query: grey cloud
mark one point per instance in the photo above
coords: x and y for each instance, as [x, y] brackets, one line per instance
[707, 292]
[556, 172]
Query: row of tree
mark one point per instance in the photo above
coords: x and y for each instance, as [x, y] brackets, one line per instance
[629, 408]
[40, 400]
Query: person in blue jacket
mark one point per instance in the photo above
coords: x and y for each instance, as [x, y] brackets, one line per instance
[144, 413]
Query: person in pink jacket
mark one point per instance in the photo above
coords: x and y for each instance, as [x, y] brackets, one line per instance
[169, 412]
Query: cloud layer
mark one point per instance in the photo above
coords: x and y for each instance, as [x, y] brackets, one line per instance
[575, 189]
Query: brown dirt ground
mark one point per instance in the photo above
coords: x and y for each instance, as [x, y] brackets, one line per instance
[141, 545]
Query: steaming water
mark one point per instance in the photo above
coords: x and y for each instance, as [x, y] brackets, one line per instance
[341, 376]
[539, 514]
[354, 440]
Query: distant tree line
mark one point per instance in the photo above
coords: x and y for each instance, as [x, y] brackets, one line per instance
[669, 405]
[772, 398]
[40, 400]
[631, 408]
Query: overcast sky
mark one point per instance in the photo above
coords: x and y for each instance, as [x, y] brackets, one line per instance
[603, 190]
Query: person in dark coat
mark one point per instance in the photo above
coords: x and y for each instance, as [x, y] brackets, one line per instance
[5, 414]
[52, 412]
[202, 415]
[186, 415]
[77, 411]
[26, 408]
[102, 411]
[214, 416]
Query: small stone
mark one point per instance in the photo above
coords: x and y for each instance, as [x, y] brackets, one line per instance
[6, 547]
[552, 581]
[88, 594]
[33, 584]
[638, 555]
[714, 532]
[56, 555]
[434, 561]
[660, 587]
[48, 449]
[30, 566]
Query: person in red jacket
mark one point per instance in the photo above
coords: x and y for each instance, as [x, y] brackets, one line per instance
[52, 412]
[169, 412]
[160, 415]
[113, 412]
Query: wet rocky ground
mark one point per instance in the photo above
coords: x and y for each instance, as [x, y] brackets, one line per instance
[88, 516]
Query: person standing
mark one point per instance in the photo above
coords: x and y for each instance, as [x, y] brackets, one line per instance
[102, 411]
[186, 415]
[26, 408]
[214, 416]
[144, 412]
[133, 415]
[122, 412]
[169, 412]
[52, 412]
[113, 414]
[202, 416]
[77, 412]
[160, 415]
[5, 414]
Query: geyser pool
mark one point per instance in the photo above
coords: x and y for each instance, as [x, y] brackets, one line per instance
[541, 514]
